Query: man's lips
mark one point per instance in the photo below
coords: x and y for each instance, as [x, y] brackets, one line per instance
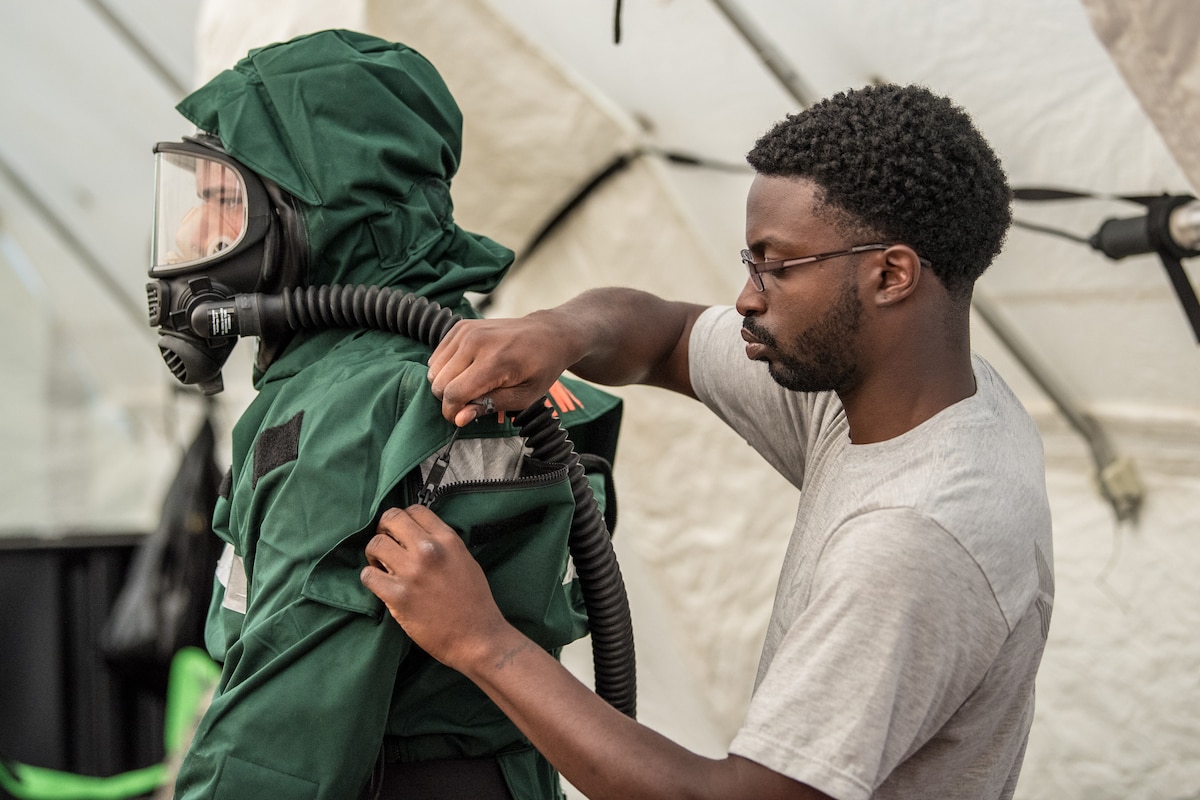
[754, 347]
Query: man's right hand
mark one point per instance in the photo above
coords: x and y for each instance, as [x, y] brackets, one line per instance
[511, 361]
[608, 336]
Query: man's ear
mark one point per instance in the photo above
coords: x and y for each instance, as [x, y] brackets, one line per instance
[898, 275]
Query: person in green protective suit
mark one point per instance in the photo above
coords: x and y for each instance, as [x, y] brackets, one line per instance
[321, 696]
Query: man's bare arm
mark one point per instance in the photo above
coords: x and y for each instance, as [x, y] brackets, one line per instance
[422, 571]
[610, 336]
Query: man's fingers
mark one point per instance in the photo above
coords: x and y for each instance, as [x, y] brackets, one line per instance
[458, 385]
[450, 347]
[392, 592]
[424, 519]
[447, 368]
[401, 523]
[442, 353]
[375, 579]
[468, 414]
[471, 386]
[454, 366]
[383, 550]
[397, 536]
[409, 528]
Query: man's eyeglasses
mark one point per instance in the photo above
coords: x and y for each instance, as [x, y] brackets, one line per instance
[757, 269]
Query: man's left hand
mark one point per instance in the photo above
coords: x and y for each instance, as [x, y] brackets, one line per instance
[421, 570]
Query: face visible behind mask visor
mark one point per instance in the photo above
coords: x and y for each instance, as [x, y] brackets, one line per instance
[219, 230]
[192, 229]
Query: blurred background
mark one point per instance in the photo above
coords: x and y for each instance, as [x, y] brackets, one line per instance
[604, 142]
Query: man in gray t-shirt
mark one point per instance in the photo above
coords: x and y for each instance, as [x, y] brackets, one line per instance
[915, 596]
[911, 583]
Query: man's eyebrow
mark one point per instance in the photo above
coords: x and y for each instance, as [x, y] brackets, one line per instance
[218, 191]
[761, 244]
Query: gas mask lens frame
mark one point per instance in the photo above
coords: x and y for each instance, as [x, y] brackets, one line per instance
[201, 207]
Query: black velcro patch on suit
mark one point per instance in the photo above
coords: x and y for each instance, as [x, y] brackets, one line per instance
[487, 532]
[226, 484]
[276, 446]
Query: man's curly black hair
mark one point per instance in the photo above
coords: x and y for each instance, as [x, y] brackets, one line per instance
[908, 166]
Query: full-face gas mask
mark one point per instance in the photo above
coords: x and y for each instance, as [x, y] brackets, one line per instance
[220, 230]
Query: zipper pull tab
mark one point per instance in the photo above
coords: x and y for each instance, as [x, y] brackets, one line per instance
[437, 472]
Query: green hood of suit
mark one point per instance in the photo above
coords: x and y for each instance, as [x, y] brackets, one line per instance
[366, 136]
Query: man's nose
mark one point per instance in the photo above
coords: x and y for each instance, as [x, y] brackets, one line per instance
[750, 300]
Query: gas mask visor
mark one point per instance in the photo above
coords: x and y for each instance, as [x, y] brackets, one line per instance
[210, 241]
[204, 207]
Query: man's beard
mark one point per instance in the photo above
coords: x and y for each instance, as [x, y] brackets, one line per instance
[819, 359]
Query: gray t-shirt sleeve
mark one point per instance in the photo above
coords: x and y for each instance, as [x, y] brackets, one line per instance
[887, 648]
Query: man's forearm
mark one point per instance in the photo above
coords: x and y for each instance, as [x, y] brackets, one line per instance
[626, 336]
[602, 752]
[599, 750]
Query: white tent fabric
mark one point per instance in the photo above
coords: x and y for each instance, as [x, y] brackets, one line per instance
[91, 423]
[1154, 46]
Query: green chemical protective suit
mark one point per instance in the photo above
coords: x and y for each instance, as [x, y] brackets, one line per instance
[315, 674]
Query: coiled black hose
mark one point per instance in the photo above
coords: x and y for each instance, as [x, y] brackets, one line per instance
[600, 581]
